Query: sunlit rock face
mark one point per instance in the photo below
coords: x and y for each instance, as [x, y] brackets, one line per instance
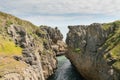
[94, 50]
[56, 38]
[25, 50]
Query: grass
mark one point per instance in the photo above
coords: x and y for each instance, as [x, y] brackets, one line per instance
[10, 65]
[74, 50]
[116, 65]
[114, 38]
[8, 48]
[115, 52]
[77, 50]
[112, 44]
[106, 26]
[6, 20]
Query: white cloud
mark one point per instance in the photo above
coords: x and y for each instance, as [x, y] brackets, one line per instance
[63, 12]
[57, 20]
[62, 6]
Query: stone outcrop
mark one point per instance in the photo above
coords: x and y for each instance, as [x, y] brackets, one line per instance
[94, 50]
[37, 61]
[56, 38]
[54, 33]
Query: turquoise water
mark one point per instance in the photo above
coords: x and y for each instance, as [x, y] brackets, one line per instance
[65, 71]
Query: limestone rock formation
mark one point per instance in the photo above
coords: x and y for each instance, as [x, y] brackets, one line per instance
[54, 33]
[95, 50]
[56, 38]
[25, 50]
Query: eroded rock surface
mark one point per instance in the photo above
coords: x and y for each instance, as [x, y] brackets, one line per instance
[25, 50]
[94, 50]
[56, 38]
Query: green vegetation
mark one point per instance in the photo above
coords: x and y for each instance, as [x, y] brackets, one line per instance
[39, 32]
[77, 50]
[106, 26]
[8, 48]
[114, 38]
[112, 44]
[115, 52]
[8, 23]
[6, 20]
[116, 65]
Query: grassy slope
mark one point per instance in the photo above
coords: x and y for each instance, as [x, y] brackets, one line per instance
[8, 64]
[5, 21]
[113, 43]
[7, 46]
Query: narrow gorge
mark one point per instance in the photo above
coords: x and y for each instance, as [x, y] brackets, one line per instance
[30, 52]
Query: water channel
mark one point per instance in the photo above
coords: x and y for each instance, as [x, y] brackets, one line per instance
[65, 70]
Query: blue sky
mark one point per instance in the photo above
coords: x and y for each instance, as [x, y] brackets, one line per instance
[62, 13]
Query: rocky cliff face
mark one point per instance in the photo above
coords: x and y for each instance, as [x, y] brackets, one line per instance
[56, 38]
[25, 50]
[94, 50]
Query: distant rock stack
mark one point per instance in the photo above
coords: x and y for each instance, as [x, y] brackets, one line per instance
[56, 38]
[94, 50]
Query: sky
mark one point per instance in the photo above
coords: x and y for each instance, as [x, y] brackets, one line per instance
[61, 13]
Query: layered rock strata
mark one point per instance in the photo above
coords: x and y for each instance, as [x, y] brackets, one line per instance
[56, 38]
[25, 50]
[94, 50]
